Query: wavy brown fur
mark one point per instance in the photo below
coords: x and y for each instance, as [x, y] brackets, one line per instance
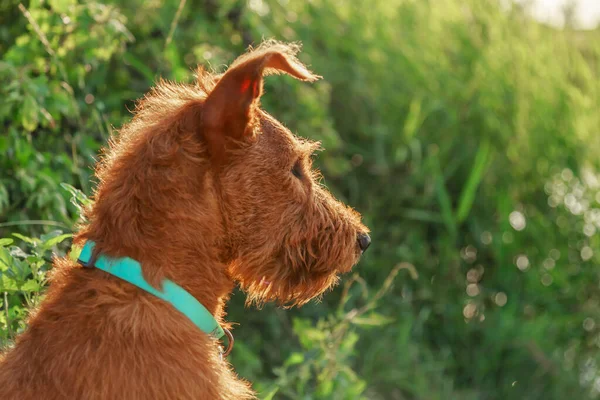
[197, 187]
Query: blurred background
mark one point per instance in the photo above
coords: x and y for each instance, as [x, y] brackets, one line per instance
[467, 132]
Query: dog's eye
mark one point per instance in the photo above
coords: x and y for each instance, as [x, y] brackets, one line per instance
[297, 170]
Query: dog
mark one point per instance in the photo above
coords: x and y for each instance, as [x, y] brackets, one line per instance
[200, 191]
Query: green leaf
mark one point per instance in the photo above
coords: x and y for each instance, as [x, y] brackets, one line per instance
[4, 200]
[469, 191]
[30, 114]
[414, 119]
[7, 284]
[78, 198]
[140, 66]
[5, 241]
[56, 240]
[17, 252]
[271, 394]
[30, 286]
[373, 319]
[75, 252]
[294, 359]
[19, 271]
[47, 236]
[325, 388]
[61, 6]
[5, 259]
[444, 199]
[26, 239]
[308, 335]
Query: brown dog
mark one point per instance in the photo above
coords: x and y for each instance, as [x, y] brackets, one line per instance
[203, 188]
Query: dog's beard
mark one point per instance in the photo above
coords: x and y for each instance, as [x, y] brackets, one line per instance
[289, 283]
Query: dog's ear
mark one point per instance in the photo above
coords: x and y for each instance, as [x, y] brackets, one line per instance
[230, 107]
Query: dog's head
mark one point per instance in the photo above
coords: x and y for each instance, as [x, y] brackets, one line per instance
[202, 171]
[287, 237]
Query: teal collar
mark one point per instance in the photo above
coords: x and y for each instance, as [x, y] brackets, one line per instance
[131, 271]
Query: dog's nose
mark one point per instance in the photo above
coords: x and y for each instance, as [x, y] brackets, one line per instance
[363, 240]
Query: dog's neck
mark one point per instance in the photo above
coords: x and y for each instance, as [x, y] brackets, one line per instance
[163, 213]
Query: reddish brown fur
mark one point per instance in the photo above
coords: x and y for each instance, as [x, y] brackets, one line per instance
[198, 188]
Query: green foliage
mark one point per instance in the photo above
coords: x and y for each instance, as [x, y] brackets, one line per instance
[53, 125]
[465, 133]
[22, 278]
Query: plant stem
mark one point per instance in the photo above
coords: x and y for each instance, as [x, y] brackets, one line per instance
[8, 327]
[34, 222]
[175, 22]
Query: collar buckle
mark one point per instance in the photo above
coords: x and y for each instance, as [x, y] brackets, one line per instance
[230, 342]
